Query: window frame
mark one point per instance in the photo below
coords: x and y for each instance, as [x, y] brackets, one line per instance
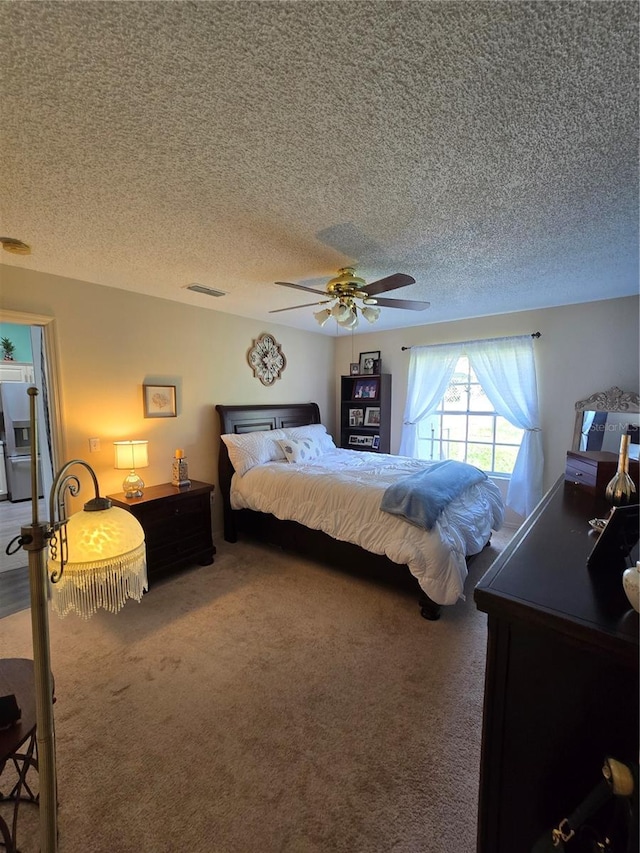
[470, 380]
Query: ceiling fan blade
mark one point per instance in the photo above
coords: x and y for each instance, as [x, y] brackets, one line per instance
[300, 287]
[409, 304]
[398, 279]
[306, 305]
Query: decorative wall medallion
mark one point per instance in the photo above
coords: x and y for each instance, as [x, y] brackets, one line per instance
[266, 359]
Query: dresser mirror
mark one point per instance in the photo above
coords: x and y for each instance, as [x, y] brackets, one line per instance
[605, 416]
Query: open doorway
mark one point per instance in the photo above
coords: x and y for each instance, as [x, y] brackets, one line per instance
[36, 364]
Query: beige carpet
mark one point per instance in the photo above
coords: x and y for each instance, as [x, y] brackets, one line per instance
[266, 704]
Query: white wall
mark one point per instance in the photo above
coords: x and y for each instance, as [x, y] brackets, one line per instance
[110, 342]
[584, 348]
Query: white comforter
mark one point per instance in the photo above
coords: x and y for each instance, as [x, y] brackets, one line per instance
[340, 494]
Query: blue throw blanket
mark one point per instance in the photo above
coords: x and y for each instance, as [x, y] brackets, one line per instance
[421, 498]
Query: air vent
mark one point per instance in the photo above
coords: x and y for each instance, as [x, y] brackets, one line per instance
[208, 291]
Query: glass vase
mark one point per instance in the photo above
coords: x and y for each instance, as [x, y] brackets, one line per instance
[621, 489]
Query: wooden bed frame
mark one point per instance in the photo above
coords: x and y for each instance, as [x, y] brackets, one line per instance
[290, 535]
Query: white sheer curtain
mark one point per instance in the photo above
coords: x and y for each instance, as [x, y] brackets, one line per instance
[587, 421]
[506, 369]
[430, 370]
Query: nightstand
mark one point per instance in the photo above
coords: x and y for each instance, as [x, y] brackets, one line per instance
[176, 523]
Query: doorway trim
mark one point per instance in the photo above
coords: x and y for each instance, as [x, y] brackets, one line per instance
[48, 324]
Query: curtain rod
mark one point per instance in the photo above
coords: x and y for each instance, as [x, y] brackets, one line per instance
[533, 335]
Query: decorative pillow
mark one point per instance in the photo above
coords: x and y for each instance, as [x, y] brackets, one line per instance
[300, 449]
[253, 448]
[317, 432]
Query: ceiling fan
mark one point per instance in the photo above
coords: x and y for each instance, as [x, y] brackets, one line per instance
[351, 294]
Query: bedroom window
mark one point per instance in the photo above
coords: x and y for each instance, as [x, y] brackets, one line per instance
[466, 427]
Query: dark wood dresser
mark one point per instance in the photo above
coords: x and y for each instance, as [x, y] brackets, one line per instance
[561, 683]
[176, 523]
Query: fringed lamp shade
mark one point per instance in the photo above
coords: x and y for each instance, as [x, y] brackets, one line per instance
[106, 563]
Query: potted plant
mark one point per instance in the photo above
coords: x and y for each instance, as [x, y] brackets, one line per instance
[8, 349]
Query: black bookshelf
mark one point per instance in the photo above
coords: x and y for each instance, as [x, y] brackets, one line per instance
[365, 412]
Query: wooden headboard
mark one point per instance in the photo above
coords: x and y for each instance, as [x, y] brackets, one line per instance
[242, 419]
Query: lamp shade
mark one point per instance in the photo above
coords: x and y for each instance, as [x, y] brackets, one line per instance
[322, 316]
[131, 454]
[370, 313]
[341, 312]
[106, 563]
[350, 321]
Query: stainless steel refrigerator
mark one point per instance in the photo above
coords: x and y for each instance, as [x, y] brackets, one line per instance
[16, 435]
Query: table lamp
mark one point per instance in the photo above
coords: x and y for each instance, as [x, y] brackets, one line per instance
[129, 456]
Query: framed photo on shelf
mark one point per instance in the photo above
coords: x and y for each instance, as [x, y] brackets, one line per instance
[356, 417]
[361, 440]
[159, 401]
[372, 416]
[366, 389]
[617, 540]
[375, 444]
[354, 368]
[367, 362]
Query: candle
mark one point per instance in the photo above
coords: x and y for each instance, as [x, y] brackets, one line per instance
[179, 454]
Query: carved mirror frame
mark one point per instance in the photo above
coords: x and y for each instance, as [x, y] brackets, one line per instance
[613, 400]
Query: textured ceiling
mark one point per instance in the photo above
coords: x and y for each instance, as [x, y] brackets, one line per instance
[488, 149]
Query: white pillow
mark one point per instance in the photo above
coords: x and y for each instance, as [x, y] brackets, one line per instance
[300, 449]
[318, 432]
[253, 448]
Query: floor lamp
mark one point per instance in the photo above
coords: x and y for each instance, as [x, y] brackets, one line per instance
[96, 559]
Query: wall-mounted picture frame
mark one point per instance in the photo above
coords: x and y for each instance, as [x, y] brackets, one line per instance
[356, 417]
[375, 444]
[361, 440]
[354, 368]
[367, 362]
[372, 416]
[366, 389]
[159, 401]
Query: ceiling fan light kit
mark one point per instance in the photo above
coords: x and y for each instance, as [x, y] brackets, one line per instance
[351, 294]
